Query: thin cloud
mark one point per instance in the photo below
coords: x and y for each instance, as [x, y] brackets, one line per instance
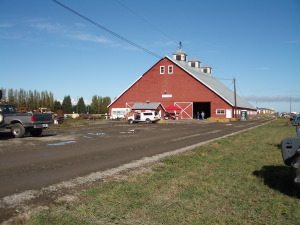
[80, 25]
[35, 20]
[59, 29]
[5, 25]
[51, 28]
[264, 68]
[88, 37]
[272, 98]
[296, 41]
[10, 36]
[168, 43]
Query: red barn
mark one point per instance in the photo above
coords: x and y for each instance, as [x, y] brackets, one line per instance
[187, 85]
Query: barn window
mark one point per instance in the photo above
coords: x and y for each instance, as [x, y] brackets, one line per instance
[220, 111]
[170, 69]
[162, 70]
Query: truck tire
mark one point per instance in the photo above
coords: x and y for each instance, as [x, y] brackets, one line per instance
[130, 121]
[296, 166]
[17, 130]
[36, 133]
[148, 120]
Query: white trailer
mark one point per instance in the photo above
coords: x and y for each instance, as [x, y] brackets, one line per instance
[148, 117]
[119, 113]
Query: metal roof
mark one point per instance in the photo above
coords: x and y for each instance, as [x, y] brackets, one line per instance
[206, 66]
[145, 105]
[213, 84]
[194, 60]
[179, 52]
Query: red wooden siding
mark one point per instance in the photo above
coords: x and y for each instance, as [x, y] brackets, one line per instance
[182, 86]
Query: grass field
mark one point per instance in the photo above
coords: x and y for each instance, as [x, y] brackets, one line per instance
[237, 180]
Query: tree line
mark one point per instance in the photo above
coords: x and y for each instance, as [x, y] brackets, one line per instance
[33, 100]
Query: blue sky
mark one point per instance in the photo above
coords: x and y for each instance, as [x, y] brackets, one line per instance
[45, 47]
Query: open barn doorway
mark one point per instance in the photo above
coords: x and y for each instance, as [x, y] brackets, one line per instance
[199, 107]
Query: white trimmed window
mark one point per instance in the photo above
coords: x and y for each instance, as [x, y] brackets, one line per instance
[220, 111]
[162, 70]
[170, 69]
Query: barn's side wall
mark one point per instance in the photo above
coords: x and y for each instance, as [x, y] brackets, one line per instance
[176, 87]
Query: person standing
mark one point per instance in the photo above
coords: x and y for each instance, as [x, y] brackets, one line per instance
[202, 115]
[198, 115]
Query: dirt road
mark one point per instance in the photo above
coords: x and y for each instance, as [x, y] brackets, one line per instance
[31, 163]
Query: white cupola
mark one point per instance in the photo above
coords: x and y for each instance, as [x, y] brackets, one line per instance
[180, 55]
[194, 63]
[206, 69]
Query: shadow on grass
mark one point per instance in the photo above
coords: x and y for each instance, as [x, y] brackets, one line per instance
[276, 145]
[279, 178]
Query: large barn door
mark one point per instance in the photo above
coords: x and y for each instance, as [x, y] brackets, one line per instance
[187, 109]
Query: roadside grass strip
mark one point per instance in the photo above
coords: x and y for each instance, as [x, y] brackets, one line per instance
[240, 179]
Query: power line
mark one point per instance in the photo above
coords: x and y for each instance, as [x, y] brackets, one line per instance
[107, 30]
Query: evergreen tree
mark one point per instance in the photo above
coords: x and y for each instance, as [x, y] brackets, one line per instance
[4, 96]
[81, 108]
[67, 105]
[57, 106]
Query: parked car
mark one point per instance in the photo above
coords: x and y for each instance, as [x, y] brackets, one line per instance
[21, 123]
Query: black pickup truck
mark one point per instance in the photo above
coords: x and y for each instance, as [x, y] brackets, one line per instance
[21, 123]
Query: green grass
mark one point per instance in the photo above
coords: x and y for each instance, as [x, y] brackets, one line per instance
[237, 180]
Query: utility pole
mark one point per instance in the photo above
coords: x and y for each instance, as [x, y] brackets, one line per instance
[234, 112]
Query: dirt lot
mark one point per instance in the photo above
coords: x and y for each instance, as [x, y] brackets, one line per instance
[41, 171]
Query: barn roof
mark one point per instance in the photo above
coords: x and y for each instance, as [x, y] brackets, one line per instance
[213, 84]
[146, 105]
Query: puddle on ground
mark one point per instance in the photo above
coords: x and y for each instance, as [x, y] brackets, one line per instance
[63, 143]
[127, 132]
[97, 134]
